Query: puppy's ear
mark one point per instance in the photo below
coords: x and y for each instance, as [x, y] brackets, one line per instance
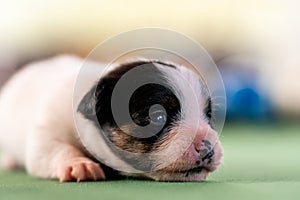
[87, 106]
[96, 104]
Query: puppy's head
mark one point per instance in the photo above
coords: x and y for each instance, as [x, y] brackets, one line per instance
[183, 146]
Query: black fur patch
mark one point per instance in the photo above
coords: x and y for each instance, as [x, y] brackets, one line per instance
[99, 99]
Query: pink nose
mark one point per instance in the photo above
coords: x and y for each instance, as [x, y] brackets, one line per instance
[207, 151]
[203, 147]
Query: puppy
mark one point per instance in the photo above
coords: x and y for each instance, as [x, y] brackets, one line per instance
[44, 129]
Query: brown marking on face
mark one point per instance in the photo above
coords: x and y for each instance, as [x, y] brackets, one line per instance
[129, 143]
[125, 141]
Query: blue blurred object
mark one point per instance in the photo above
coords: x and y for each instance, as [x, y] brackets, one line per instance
[245, 99]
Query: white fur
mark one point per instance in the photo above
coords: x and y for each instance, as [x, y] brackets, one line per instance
[36, 113]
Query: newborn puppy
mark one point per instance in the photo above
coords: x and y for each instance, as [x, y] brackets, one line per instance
[38, 129]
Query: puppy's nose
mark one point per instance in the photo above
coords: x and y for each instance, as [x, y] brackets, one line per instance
[209, 155]
[206, 150]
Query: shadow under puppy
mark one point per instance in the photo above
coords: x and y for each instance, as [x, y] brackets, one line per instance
[38, 130]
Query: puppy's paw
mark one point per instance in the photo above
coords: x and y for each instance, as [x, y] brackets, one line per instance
[79, 169]
[9, 163]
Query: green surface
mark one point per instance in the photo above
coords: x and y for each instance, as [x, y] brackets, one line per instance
[261, 162]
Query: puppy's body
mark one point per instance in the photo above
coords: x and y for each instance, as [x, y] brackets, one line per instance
[38, 132]
[36, 116]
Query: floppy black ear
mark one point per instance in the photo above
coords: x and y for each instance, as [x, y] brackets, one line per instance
[87, 106]
[96, 104]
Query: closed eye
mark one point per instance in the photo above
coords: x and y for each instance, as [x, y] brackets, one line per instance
[207, 110]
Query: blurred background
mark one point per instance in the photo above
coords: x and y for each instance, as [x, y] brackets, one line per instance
[255, 43]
